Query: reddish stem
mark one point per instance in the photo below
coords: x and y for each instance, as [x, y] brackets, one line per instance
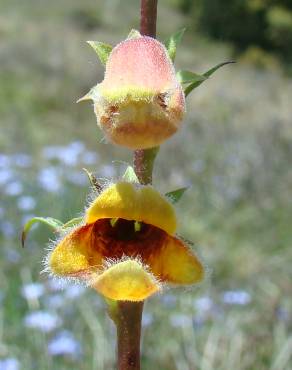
[143, 164]
[129, 333]
[148, 17]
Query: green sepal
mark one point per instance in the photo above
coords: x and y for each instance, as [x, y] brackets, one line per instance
[71, 223]
[175, 195]
[102, 50]
[134, 34]
[130, 175]
[91, 95]
[187, 77]
[55, 224]
[172, 43]
[207, 74]
[93, 180]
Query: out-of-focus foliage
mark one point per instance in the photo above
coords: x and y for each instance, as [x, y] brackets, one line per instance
[263, 23]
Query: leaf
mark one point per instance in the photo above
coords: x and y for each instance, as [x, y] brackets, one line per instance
[214, 69]
[73, 222]
[55, 224]
[175, 195]
[134, 34]
[207, 74]
[91, 95]
[93, 180]
[172, 43]
[102, 50]
[186, 77]
[130, 175]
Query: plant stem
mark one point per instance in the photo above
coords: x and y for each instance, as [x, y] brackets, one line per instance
[144, 159]
[143, 164]
[148, 17]
[128, 323]
[128, 315]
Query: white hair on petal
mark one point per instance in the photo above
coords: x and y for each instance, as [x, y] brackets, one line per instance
[110, 262]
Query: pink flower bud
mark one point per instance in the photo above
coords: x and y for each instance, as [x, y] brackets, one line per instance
[140, 102]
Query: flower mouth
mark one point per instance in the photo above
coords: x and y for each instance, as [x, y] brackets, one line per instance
[126, 238]
[128, 230]
[85, 250]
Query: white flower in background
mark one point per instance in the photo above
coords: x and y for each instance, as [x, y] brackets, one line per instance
[169, 300]
[55, 301]
[49, 179]
[108, 171]
[7, 228]
[6, 174]
[14, 188]
[236, 297]
[9, 364]
[56, 285]
[89, 157]
[98, 302]
[179, 320]
[26, 203]
[42, 320]
[4, 160]
[203, 304]
[77, 146]
[64, 344]
[22, 160]
[32, 291]
[74, 291]
[147, 319]
[51, 152]
[68, 155]
[77, 178]
[12, 255]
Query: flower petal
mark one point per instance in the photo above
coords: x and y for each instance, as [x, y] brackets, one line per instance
[127, 201]
[139, 63]
[126, 281]
[76, 254]
[174, 263]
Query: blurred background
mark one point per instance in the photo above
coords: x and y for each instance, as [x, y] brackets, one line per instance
[234, 150]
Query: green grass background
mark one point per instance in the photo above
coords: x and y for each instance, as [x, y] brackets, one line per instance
[234, 150]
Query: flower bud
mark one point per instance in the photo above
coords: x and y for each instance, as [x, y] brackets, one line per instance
[140, 102]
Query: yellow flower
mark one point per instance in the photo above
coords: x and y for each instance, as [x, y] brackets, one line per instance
[126, 248]
[140, 102]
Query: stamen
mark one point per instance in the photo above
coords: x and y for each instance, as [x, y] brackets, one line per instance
[137, 226]
[113, 221]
